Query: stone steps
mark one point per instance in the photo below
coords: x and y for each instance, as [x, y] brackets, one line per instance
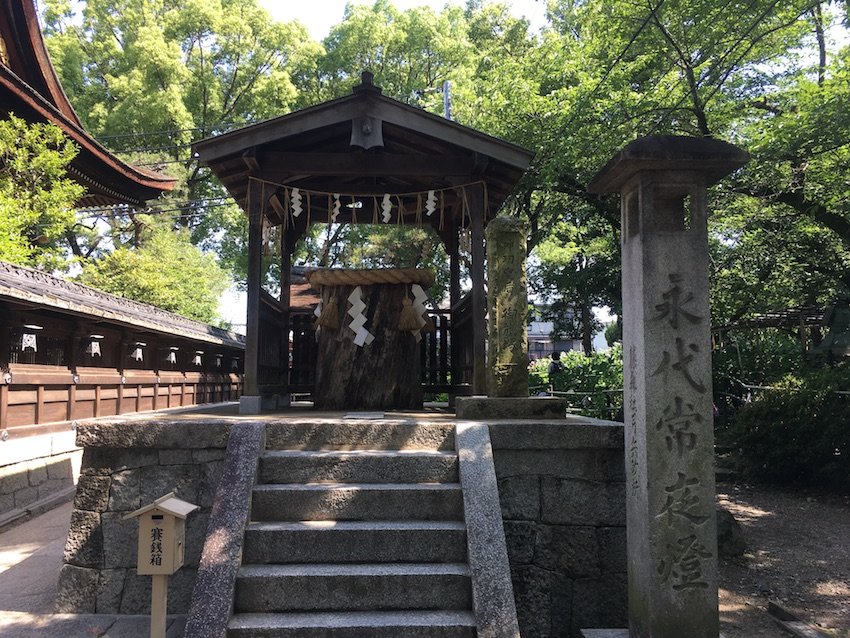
[360, 435]
[361, 587]
[358, 501]
[355, 542]
[357, 530]
[379, 466]
[409, 624]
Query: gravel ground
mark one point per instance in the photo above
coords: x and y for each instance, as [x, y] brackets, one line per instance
[798, 556]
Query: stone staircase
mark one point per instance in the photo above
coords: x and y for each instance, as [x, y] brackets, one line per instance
[356, 531]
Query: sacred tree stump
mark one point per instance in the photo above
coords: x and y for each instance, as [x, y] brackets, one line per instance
[368, 352]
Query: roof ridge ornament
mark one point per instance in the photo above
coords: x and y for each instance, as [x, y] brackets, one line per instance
[367, 84]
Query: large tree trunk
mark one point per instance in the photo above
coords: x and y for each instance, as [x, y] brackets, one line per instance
[382, 375]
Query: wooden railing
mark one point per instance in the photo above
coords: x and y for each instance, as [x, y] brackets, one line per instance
[34, 395]
[62, 377]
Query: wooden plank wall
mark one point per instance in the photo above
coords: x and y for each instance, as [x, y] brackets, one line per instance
[62, 380]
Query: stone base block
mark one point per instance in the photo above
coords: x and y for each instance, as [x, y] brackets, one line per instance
[250, 404]
[274, 402]
[478, 408]
[609, 633]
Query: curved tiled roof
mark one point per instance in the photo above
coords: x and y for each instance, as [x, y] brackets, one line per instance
[30, 88]
[41, 289]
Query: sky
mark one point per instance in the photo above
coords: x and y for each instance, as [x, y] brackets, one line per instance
[320, 15]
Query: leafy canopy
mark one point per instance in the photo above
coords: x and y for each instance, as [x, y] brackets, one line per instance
[166, 271]
[36, 196]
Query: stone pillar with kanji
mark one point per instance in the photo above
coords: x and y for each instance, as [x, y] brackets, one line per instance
[507, 306]
[669, 440]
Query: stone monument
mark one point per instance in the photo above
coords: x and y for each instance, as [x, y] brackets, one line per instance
[507, 343]
[669, 439]
[507, 307]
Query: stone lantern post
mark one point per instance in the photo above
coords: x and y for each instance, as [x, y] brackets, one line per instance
[669, 439]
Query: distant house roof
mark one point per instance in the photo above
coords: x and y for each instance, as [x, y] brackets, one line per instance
[33, 287]
[29, 88]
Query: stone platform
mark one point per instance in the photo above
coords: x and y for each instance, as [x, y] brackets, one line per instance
[487, 408]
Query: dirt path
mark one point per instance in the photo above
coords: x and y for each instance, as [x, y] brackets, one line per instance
[798, 555]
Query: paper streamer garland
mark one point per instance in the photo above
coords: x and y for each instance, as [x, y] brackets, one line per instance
[358, 319]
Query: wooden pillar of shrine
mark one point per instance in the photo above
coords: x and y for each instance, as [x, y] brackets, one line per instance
[475, 202]
[250, 401]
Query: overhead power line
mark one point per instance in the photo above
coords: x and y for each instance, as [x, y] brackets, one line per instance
[188, 208]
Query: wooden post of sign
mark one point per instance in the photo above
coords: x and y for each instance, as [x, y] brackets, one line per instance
[159, 604]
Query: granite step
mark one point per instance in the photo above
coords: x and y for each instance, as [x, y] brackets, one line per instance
[360, 587]
[366, 466]
[355, 542]
[335, 624]
[357, 501]
[354, 434]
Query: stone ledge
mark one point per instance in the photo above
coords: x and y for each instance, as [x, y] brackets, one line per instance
[42, 446]
[569, 434]
[609, 633]
[154, 433]
[221, 556]
[487, 408]
[494, 608]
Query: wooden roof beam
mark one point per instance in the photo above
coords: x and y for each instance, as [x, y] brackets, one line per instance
[362, 164]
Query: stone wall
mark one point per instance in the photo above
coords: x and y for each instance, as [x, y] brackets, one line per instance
[561, 486]
[562, 491]
[35, 472]
[127, 464]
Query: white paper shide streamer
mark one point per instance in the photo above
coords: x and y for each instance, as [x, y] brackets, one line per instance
[295, 199]
[386, 207]
[337, 205]
[358, 319]
[431, 203]
[318, 313]
[419, 299]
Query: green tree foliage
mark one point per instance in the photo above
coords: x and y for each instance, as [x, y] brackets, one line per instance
[576, 269]
[410, 52]
[178, 70]
[166, 271]
[592, 383]
[799, 432]
[36, 196]
[762, 74]
[154, 75]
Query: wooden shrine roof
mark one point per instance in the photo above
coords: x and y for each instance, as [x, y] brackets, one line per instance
[363, 146]
[30, 89]
[41, 290]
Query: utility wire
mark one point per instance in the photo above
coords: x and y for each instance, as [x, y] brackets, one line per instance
[114, 211]
[211, 129]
